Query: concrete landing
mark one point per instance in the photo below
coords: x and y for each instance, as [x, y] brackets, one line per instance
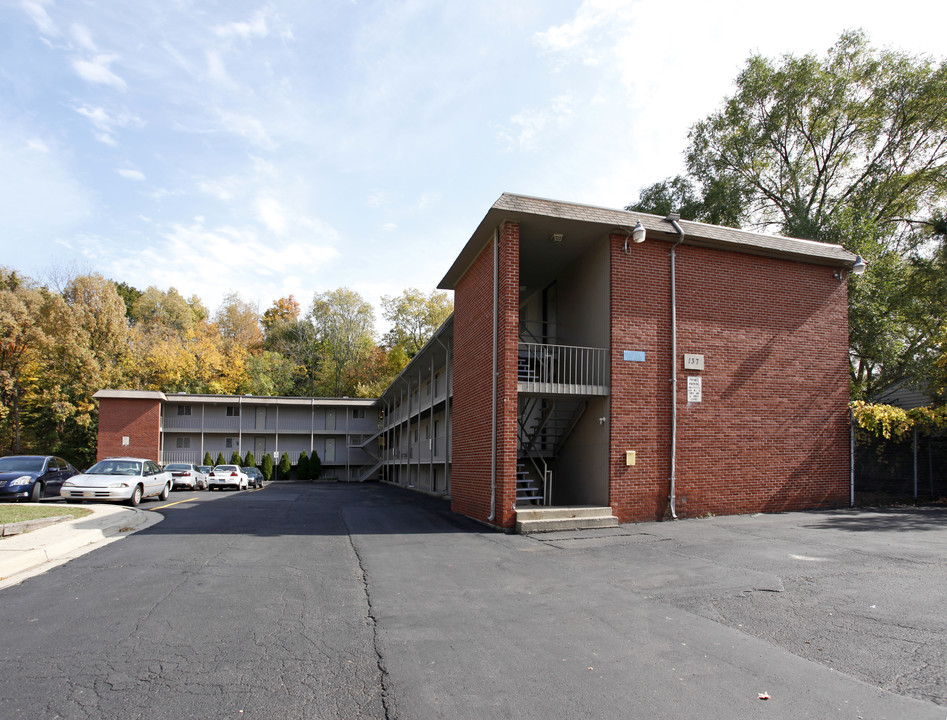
[548, 519]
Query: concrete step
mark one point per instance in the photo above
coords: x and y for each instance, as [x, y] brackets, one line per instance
[548, 519]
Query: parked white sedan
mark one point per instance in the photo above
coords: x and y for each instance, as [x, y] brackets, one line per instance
[223, 476]
[119, 480]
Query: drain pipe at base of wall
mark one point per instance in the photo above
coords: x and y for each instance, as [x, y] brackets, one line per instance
[673, 218]
[493, 434]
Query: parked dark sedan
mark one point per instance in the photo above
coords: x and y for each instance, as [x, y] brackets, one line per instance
[31, 477]
[256, 477]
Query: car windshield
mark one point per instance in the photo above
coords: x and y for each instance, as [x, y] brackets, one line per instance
[115, 467]
[21, 464]
[204, 468]
[225, 468]
[177, 466]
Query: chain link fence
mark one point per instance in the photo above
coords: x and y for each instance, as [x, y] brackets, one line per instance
[913, 469]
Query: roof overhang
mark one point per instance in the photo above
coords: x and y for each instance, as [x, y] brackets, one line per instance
[540, 218]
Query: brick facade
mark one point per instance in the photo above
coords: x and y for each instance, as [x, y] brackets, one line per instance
[771, 431]
[474, 386]
[137, 419]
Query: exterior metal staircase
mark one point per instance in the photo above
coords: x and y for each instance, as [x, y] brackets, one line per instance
[544, 425]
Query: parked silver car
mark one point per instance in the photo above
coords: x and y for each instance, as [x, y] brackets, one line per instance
[122, 479]
[186, 475]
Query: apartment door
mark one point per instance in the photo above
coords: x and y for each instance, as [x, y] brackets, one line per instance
[330, 450]
[261, 418]
[259, 448]
[330, 418]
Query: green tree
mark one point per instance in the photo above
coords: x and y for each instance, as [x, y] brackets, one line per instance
[249, 460]
[849, 149]
[235, 458]
[414, 318]
[168, 309]
[220, 459]
[266, 467]
[284, 466]
[271, 373]
[315, 466]
[302, 466]
[208, 460]
[344, 325]
[129, 296]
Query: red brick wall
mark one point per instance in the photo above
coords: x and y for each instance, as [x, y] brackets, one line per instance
[474, 388]
[137, 419]
[772, 431]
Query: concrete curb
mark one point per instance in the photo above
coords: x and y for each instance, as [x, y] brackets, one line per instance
[28, 554]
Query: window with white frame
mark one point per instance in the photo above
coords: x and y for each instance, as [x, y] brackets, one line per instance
[184, 409]
[231, 443]
[183, 442]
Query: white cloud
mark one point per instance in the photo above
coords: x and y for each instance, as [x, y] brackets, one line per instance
[36, 11]
[528, 126]
[271, 214]
[82, 36]
[258, 26]
[97, 72]
[105, 123]
[253, 28]
[216, 70]
[37, 145]
[247, 127]
[237, 258]
[131, 174]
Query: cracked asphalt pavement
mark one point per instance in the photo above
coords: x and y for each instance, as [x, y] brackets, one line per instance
[367, 601]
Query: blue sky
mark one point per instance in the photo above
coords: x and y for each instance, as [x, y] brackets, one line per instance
[296, 146]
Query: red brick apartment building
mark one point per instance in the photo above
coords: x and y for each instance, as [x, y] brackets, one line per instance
[676, 371]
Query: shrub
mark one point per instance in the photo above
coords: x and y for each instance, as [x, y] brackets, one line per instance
[284, 466]
[235, 458]
[267, 467]
[249, 460]
[302, 466]
[220, 459]
[208, 460]
[315, 466]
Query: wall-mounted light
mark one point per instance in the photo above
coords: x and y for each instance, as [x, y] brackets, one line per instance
[556, 238]
[638, 234]
[858, 268]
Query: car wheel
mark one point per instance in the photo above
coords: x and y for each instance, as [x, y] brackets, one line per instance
[135, 499]
[37, 492]
[164, 493]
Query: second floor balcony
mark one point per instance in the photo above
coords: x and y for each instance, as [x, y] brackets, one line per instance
[561, 369]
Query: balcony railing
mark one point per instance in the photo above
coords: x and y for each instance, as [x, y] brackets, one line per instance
[562, 369]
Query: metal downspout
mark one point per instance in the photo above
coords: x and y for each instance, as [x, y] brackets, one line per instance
[851, 459]
[673, 218]
[493, 434]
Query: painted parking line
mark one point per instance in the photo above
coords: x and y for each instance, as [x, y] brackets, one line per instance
[162, 507]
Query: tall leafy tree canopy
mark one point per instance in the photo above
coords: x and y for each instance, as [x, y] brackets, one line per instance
[850, 148]
[414, 317]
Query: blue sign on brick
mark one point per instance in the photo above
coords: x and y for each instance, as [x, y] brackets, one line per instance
[634, 356]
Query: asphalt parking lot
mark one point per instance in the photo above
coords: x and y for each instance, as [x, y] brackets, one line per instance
[368, 601]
